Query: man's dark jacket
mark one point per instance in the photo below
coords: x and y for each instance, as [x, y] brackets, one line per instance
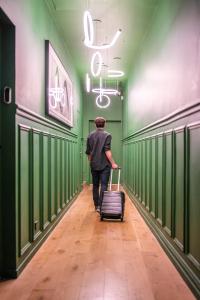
[98, 142]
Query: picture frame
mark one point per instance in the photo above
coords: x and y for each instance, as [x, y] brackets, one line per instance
[59, 89]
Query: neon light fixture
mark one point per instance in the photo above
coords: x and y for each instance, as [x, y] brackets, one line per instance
[117, 34]
[99, 99]
[115, 73]
[87, 83]
[89, 33]
[56, 94]
[105, 91]
[88, 28]
[100, 60]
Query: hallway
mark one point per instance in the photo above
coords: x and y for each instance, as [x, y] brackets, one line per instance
[84, 258]
[135, 64]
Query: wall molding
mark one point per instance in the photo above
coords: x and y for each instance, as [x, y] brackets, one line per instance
[170, 118]
[32, 116]
[36, 149]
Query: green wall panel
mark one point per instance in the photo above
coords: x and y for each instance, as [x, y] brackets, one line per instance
[139, 170]
[25, 209]
[129, 158]
[136, 169]
[74, 167]
[168, 185]
[160, 175]
[45, 185]
[53, 178]
[70, 171]
[63, 173]
[67, 172]
[132, 168]
[168, 182]
[179, 186]
[58, 173]
[194, 194]
[47, 178]
[148, 174]
[153, 177]
[143, 171]
[36, 222]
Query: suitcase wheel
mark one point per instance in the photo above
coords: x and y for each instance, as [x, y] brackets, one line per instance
[122, 219]
[101, 218]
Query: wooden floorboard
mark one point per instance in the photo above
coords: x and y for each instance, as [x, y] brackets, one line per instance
[86, 259]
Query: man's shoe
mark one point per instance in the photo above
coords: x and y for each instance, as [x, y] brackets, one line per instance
[98, 209]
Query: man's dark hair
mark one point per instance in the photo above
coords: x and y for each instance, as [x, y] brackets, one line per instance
[100, 122]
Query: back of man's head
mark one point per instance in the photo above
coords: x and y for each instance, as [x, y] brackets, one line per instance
[100, 122]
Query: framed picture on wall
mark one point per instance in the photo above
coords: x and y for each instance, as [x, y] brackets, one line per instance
[59, 90]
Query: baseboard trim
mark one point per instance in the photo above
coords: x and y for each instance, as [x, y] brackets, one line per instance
[188, 274]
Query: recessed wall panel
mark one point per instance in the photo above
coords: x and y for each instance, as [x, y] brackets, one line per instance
[63, 173]
[25, 208]
[194, 195]
[160, 175]
[139, 169]
[153, 177]
[143, 192]
[136, 169]
[36, 184]
[45, 168]
[168, 182]
[58, 174]
[148, 174]
[179, 187]
[53, 178]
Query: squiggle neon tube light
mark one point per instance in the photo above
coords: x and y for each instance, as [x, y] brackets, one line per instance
[88, 28]
[115, 73]
[98, 98]
[97, 73]
[87, 83]
[89, 33]
[105, 91]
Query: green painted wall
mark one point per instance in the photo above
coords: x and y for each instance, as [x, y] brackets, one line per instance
[162, 134]
[112, 113]
[43, 158]
[165, 75]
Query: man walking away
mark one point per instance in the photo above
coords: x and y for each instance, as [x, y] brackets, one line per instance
[100, 158]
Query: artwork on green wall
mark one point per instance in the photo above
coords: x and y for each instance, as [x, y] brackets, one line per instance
[59, 89]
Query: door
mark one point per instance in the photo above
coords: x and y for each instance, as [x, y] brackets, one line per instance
[0, 146]
[115, 129]
[7, 147]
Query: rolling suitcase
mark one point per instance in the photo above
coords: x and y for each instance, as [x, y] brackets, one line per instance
[113, 202]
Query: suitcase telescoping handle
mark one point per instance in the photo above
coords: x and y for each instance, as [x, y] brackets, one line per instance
[111, 176]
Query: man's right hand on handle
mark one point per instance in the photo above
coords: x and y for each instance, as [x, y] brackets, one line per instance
[114, 166]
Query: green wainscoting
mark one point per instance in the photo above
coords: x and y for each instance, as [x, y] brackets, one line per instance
[48, 179]
[161, 174]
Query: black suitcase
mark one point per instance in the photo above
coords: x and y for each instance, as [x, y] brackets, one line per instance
[113, 202]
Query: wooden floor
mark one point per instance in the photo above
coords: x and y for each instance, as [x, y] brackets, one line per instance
[87, 259]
